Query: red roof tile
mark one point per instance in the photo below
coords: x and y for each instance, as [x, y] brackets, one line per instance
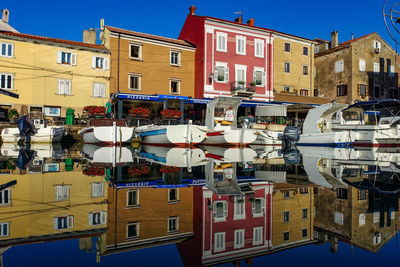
[150, 36]
[350, 41]
[53, 40]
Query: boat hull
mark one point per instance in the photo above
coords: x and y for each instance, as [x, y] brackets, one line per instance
[107, 156]
[51, 134]
[267, 137]
[331, 139]
[231, 137]
[104, 135]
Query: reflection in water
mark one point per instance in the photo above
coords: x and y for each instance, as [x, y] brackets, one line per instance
[216, 204]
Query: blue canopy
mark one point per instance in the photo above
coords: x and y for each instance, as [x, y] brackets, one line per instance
[376, 104]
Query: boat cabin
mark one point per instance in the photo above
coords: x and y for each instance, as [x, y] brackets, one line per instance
[222, 112]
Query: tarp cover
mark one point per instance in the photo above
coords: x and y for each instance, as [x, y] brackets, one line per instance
[278, 110]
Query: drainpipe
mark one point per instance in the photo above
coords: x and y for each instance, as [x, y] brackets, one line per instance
[311, 70]
[120, 103]
[270, 66]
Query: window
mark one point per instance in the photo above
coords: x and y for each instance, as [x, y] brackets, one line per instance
[362, 90]
[316, 49]
[63, 222]
[66, 58]
[341, 90]
[175, 58]
[221, 41]
[304, 213]
[305, 51]
[257, 235]
[258, 48]
[286, 236]
[287, 47]
[221, 73]
[175, 86]
[304, 190]
[391, 69]
[339, 66]
[97, 218]
[376, 66]
[362, 194]
[341, 193]
[100, 63]
[135, 82]
[239, 239]
[316, 92]
[305, 70]
[62, 192]
[132, 230]
[304, 233]
[173, 224]
[4, 229]
[220, 211]
[287, 90]
[219, 242]
[64, 87]
[361, 64]
[377, 238]
[135, 51]
[173, 195]
[287, 67]
[132, 198]
[286, 194]
[259, 76]
[6, 81]
[316, 190]
[240, 45]
[239, 208]
[5, 197]
[240, 75]
[361, 219]
[376, 216]
[97, 189]
[286, 216]
[304, 92]
[99, 90]
[377, 46]
[7, 50]
[258, 207]
[338, 217]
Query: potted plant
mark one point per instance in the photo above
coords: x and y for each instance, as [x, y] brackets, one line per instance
[241, 82]
[253, 83]
[12, 115]
[221, 78]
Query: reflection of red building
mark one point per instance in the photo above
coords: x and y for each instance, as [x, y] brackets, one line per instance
[229, 228]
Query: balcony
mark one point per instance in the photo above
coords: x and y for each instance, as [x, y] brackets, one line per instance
[242, 89]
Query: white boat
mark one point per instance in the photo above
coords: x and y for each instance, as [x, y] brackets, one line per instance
[107, 132]
[107, 156]
[232, 154]
[171, 135]
[44, 133]
[221, 121]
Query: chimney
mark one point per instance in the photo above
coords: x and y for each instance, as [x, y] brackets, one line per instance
[352, 36]
[192, 9]
[5, 13]
[250, 22]
[89, 36]
[334, 39]
[239, 20]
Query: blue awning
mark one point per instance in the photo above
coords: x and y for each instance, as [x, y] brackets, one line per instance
[376, 104]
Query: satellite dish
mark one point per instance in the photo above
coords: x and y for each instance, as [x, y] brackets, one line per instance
[391, 16]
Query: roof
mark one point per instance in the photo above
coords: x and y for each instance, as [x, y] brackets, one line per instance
[353, 40]
[254, 27]
[51, 40]
[150, 36]
[6, 27]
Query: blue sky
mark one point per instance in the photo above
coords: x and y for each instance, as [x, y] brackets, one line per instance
[307, 18]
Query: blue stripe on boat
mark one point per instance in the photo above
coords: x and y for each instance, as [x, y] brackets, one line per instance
[326, 145]
[152, 156]
[153, 132]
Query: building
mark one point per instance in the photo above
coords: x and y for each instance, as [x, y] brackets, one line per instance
[363, 68]
[4, 22]
[51, 75]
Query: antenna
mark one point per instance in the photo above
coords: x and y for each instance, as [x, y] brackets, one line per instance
[391, 17]
[239, 13]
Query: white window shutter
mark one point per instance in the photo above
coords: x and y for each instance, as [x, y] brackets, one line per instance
[73, 59]
[95, 89]
[71, 221]
[90, 219]
[55, 223]
[103, 90]
[140, 52]
[106, 63]
[216, 73]
[61, 86]
[66, 191]
[59, 57]
[254, 76]
[214, 210]
[68, 87]
[226, 75]
[253, 206]
[58, 192]
[264, 78]
[262, 205]
[225, 209]
[93, 62]
[103, 217]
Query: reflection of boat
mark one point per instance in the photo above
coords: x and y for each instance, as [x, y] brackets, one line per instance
[223, 154]
[107, 156]
[171, 135]
[107, 132]
[177, 157]
[42, 150]
[43, 133]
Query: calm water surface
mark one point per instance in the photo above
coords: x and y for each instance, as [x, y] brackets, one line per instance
[154, 206]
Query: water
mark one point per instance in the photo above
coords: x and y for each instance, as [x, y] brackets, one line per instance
[153, 206]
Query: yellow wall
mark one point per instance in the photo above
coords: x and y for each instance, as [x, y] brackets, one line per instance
[36, 73]
[295, 79]
[34, 205]
[155, 68]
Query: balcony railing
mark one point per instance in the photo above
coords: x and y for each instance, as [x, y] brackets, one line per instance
[242, 89]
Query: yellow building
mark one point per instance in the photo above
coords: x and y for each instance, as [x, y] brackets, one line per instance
[51, 201]
[292, 218]
[50, 75]
[293, 65]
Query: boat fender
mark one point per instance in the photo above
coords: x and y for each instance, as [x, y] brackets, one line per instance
[257, 133]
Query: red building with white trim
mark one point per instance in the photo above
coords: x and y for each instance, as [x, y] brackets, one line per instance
[231, 58]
